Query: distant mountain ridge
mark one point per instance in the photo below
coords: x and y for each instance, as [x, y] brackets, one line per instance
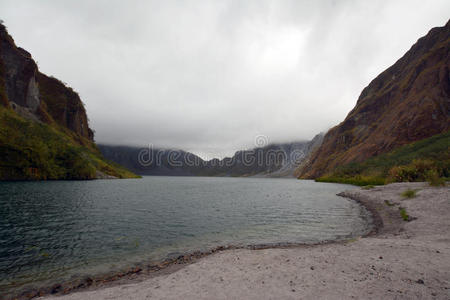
[274, 160]
[407, 102]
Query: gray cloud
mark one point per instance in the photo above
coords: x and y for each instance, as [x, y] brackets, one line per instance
[208, 76]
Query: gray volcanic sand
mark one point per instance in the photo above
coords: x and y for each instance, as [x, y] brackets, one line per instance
[403, 260]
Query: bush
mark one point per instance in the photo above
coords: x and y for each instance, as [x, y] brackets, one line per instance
[433, 178]
[409, 193]
[404, 214]
[425, 160]
[356, 180]
[388, 203]
[418, 170]
[402, 173]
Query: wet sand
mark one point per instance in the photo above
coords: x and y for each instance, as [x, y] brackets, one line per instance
[398, 260]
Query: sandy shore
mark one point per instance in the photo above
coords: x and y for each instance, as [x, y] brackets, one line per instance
[402, 260]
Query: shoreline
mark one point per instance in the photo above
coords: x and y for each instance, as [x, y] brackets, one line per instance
[140, 273]
[386, 222]
[144, 271]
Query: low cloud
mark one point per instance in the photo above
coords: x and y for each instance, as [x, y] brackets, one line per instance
[209, 76]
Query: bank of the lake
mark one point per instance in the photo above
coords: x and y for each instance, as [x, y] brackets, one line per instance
[400, 260]
[60, 236]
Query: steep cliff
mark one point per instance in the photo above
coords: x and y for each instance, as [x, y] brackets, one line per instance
[64, 105]
[18, 71]
[407, 102]
[44, 130]
[36, 96]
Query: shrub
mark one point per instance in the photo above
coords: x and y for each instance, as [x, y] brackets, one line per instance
[425, 160]
[409, 193]
[404, 214]
[388, 203]
[417, 170]
[356, 180]
[433, 178]
[402, 173]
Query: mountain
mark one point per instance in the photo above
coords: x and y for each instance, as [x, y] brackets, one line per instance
[145, 161]
[45, 132]
[275, 160]
[408, 102]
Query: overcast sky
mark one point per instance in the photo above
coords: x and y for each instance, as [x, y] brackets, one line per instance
[210, 76]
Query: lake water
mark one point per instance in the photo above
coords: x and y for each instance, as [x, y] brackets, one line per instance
[52, 231]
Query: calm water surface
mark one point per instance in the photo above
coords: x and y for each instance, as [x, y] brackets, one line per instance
[54, 231]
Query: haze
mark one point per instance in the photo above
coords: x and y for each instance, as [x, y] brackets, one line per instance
[210, 76]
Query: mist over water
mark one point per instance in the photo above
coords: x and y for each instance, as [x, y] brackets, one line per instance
[63, 229]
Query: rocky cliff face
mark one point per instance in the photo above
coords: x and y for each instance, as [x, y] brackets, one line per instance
[36, 96]
[44, 130]
[408, 102]
[64, 105]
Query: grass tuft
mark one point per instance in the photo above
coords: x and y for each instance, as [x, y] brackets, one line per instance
[368, 187]
[404, 214]
[409, 193]
[388, 203]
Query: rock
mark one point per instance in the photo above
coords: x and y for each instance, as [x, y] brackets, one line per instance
[420, 281]
[56, 288]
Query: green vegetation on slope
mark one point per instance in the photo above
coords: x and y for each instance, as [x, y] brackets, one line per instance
[425, 160]
[36, 151]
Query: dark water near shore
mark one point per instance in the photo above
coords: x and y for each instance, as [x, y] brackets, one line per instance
[52, 231]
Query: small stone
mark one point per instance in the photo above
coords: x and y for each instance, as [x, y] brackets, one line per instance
[312, 268]
[381, 257]
[293, 290]
[56, 288]
[420, 281]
